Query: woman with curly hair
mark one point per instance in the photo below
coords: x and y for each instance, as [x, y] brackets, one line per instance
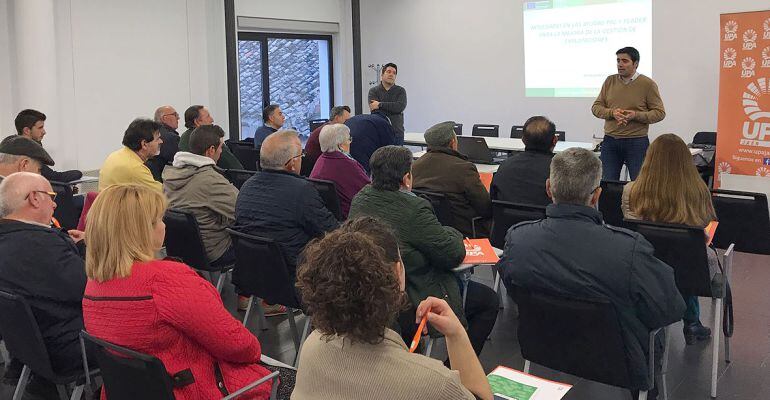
[352, 283]
[670, 190]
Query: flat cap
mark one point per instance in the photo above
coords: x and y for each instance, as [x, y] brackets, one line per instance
[441, 134]
[23, 146]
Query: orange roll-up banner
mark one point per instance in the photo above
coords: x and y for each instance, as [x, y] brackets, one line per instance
[743, 139]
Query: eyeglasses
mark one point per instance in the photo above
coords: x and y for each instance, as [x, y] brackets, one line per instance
[51, 194]
[176, 114]
[297, 156]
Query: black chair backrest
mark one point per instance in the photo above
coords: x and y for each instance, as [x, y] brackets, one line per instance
[261, 270]
[705, 138]
[683, 248]
[743, 220]
[183, 239]
[440, 203]
[65, 206]
[486, 130]
[517, 131]
[506, 214]
[562, 135]
[458, 129]
[248, 156]
[238, 176]
[232, 144]
[315, 123]
[22, 335]
[577, 336]
[328, 192]
[129, 374]
[609, 202]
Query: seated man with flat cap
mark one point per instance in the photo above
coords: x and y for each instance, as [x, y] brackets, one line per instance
[22, 154]
[444, 170]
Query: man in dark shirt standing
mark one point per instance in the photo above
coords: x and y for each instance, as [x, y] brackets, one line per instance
[390, 99]
[521, 178]
[273, 119]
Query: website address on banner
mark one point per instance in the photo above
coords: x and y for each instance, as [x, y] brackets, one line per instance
[758, 152]
[754, 143]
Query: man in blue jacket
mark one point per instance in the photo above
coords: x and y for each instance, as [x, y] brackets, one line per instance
[573, 253]
[280, 204]
[369, 132]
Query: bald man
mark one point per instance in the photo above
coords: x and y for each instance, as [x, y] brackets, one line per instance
[280, 204]
[168, 118]
[43, 265]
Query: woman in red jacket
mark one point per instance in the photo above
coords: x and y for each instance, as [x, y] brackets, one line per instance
[162, 308]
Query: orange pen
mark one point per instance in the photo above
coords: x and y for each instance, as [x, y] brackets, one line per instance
[418, 334]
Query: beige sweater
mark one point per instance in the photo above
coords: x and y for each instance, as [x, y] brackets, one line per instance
[340, 370]
[640, 95]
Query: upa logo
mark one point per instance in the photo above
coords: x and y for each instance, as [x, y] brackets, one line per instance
[731, 31]
[750, 39]
[748, 65]
[756, 105]
[766, 57]
[729, 55]
[763, 172]
[766, 25]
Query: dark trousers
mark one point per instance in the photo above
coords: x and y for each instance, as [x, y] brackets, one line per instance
[616, 152]
[481, 307]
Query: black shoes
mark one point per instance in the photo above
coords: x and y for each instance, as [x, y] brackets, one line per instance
[694, 332]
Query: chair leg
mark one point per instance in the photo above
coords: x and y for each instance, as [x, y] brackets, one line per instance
[527, 366]
[642, 395]
[248, 310]
[717, 306]
[305, 332]
[62, 390]
[221, 281]
[293, 326]
[22, 385]
[429, 346]
[77, 392]
[261, 314]
[497, 288]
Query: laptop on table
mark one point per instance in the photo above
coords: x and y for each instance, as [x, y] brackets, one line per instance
[476, 149]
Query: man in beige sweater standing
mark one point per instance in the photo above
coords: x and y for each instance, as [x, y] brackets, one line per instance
[628, 103]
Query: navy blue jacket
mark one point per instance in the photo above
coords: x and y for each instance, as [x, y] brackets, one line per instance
[261, 134]
[369, 132]
[45, 267]
[573, 253]
[284, 207]
[168, 150]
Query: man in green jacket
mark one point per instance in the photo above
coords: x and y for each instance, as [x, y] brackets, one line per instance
[196, 116]
[429, 251]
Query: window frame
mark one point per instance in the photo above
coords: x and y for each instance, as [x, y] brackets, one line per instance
[234, 98]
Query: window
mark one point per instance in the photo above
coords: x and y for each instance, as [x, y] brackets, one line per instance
[293, 71]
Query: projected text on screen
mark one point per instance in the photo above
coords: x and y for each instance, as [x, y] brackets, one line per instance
[569, 45]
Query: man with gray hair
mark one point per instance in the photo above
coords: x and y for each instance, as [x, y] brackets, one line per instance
[43, 265]
[337, 115]
[280, 204]
[336, 165]
[444, 170]
[168, 118]
[573, 253]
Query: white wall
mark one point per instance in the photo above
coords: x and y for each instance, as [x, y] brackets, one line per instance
[335, 11]
[117, 60]
[464, 61]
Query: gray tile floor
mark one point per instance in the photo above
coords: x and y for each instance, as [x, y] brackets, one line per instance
[747, 377]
